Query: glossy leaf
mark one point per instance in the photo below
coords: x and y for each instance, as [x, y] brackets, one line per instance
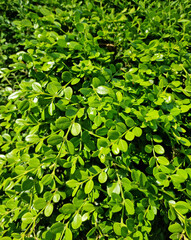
[77, 221]
[89, 186]
[102, 90]
[129, 206]
[68, 234]
[159, 149]
[48, 210]
[76, 129]
[102, 177]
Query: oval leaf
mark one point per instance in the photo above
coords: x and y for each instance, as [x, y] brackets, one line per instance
[63, 123]
[89, 186]
[76, 129]
[77, 221]
[102, 90]
[54, 140]
[159, 149]
[48, 210]
[102, 177]
[39, 203]
[57, 227]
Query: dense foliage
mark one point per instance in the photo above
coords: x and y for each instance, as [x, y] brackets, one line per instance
[95, 119]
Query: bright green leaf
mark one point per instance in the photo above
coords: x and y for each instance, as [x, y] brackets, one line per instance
[89, 186]
[76, 129]
[102, 178]
[77, 221]
[102, 90]
[159, 149]
[48, 210]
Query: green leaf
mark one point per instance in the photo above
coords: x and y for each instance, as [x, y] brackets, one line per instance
[45, 11]
[68, 208]
[182, 207]
[72, 183]
[163, 160]
[70, 147]
[76, 129]
[88, 207]
[185, 142]
[68, 93]
[119, 96]
[39, 203]
[27, 218]
[129, 206]
[130, 224]
[117, 228]
[102, 178]
[47, 179]
[89, 186]
[148, 148]
[62, 43]
[115, 149]
[47, 66]
[129, 122]
[54, 140]
[175, 228]
[32, 138]
[113, 134]
[68, 234]
[137, 131]
[80, 27]
[27, 184]
[150, 215]
[121, 127]
[123, 146]
[102, 90]
[48, 210]
[53, 88]
[159, 149]
[51, 108]
[57, 227]
[102, 142]
[157, 138]
[37, 87]
[56, 197]
[91, 232]
[124, 231]
[15, 95]
[129, 136]
[74, 45]
[102, 131]
[66, 76]
[63, 123]
[188, 227]
[113, 188]
[77, 221]
[19, 170]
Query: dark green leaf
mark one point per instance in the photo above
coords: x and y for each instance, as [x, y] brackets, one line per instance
[57, 227]
[54, 140]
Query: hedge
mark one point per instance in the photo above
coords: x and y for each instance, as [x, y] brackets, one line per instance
[95, 120]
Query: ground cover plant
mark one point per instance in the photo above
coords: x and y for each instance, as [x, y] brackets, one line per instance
[95, 120]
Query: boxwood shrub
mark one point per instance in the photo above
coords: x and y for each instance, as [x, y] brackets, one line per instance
[95, 120]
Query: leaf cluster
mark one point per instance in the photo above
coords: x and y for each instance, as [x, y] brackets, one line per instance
[95, 120]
